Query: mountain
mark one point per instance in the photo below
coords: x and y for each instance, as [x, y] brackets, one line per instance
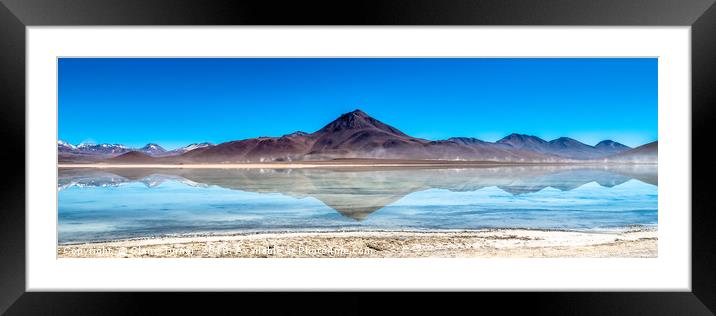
[563, 147]
[648, 153]
[153, 150]
[131, 158]
[95, 152]
[188, 148]
[358, 120]
[102, 149]
[65, 147]
[285, 148]
[525, 142]
[352, 135]
[355, 135]
[611, 147]
[86, 152]
[572, 148]
[156, 155]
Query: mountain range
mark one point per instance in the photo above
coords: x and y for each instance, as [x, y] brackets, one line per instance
[94, 152]
[357, 135]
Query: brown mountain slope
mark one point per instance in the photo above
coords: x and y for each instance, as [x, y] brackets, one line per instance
[133, 157]
[284, 148]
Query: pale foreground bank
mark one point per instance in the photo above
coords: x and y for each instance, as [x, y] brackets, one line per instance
[629, 243]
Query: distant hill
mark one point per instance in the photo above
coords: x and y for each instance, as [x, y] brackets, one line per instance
[564, 147]
[358, 135]
[131, 157]
[611, 147]
[648, 153]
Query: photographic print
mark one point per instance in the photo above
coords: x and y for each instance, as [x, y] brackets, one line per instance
[357, 157]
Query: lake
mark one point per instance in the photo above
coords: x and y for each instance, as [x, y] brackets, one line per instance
[110, 204]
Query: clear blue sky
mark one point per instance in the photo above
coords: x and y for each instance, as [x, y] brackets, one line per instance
[174, 102]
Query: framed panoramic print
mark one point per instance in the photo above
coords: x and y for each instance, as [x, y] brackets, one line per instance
[486, 146]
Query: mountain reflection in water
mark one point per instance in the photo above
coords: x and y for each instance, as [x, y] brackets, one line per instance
[98, 204]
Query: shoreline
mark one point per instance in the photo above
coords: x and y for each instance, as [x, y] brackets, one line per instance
[639, 242]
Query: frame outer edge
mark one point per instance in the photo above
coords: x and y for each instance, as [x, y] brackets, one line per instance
[703, 94]
[12, 92]
[356, 12]
[12, 122]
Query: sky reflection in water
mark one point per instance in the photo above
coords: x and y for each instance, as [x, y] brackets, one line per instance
[125, 203]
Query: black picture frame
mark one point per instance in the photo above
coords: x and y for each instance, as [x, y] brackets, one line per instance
[16, 15]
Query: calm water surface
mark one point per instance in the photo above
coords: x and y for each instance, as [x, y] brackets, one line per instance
[107, 204]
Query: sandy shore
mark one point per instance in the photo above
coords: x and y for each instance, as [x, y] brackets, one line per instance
[633, 243]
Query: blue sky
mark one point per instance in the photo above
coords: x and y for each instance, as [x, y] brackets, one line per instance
[177, 101]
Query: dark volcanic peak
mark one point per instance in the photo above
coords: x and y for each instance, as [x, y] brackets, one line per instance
[357, 135]
[358, 119]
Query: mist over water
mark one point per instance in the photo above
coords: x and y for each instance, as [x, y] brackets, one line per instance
[109, 204]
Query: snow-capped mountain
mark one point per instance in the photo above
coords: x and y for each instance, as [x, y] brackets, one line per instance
[90, 152]
[102, 149]
[153, 150]
[195, 146]
[65, 147]
[188, 148]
